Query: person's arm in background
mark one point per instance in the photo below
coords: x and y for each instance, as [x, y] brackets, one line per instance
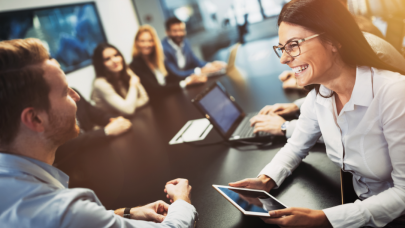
[96, 115]
[173, 68]
[271, 121]
[173, 83]
[291, 155]
[284, 163]
[125, 105]
[305, 136]
[143, 97]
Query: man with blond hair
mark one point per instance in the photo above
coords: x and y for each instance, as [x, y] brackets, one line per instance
[37, 115]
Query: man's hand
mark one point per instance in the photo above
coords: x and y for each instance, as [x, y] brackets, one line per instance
[270, 123]
[117, 126]
[195, 79]
[287, 74]
[209, 68]
[155, 212]
[178, 189]
[219, 64]
[280, 109]
[298, 217]
[263, 182]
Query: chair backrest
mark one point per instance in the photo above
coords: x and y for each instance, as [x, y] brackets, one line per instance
[346, 187]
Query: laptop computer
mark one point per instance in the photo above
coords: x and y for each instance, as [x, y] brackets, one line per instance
[227, 116]
[230, 65]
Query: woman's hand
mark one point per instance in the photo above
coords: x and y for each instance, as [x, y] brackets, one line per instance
[134, 81]
[195, 79]
[117, 126]
[280, 109]
[298, 217]
[263, 182]
[270, 123]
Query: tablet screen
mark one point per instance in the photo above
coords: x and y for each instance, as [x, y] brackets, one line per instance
[252, 201]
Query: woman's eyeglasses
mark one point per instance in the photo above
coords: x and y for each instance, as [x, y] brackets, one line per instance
[292, 47]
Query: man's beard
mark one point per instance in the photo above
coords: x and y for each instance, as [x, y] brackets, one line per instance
[177, 39]
[62, 128]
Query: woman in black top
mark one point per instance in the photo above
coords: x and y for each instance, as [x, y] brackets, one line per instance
[148, 64]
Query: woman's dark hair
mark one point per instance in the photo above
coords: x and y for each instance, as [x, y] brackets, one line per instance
[103, 72]
[337, 25]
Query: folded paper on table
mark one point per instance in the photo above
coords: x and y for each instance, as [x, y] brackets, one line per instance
[192, 131]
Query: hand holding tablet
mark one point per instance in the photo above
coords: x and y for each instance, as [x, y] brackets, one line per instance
[262, 182]
[250, 201]
[254, 202]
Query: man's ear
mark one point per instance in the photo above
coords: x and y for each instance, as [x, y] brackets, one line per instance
[32, 120]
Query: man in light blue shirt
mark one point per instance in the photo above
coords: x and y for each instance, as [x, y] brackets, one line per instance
[37, 115]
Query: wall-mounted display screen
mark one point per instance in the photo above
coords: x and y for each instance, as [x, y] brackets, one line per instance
[69, 32]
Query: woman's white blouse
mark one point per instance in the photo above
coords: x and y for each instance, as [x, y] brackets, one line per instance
[367, 138]
[160, 77]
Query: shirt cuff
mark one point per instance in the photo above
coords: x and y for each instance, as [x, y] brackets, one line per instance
[181, 207]
[276, 172]
[290, 128]
[197, 71]
[185, 204]
[183, 84]
[346, 215]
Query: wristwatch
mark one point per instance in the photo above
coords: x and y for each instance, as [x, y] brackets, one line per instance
[127, 213]
[284, 127]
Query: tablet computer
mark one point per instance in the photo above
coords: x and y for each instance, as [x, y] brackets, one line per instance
[250, 201]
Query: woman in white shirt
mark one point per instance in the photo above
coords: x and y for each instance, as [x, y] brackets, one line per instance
[148, 64]
[116, 88]
[357, 103]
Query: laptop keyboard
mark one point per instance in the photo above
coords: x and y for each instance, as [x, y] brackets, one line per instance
[245, 130]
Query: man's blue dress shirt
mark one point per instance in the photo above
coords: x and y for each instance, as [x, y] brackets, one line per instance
[192, 61]
[35, 194]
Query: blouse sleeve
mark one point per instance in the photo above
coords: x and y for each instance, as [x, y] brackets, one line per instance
[143, 97]
[305, 135]
[125, 105]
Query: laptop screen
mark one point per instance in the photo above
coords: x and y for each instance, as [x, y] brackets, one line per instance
[220, 108]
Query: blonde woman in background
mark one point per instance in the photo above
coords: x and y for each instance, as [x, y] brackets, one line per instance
[116, 88]
[148, 64]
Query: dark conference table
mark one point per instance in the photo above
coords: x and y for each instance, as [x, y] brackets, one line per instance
[131, 170]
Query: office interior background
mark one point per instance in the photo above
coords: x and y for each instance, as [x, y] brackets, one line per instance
[212, 26]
